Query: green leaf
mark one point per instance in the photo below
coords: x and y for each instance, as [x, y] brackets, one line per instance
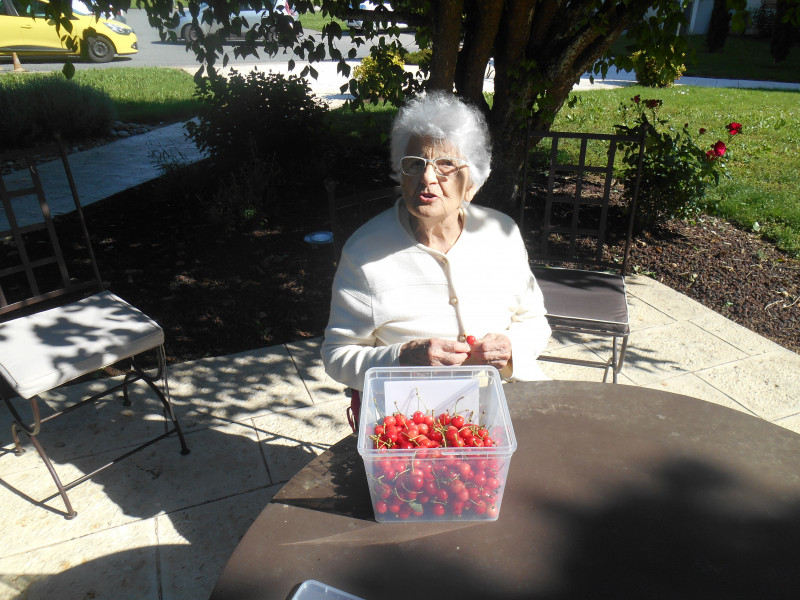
[68, 69]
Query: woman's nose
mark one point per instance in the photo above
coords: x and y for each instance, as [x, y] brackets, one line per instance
[429, 174]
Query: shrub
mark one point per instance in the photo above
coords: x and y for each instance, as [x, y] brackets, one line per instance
[763, 19]
[676, 170]
[34, 107]
[418, 57]
[656, 72]
[263, 116]
[783, 35]
[718, 27]
[380, 76]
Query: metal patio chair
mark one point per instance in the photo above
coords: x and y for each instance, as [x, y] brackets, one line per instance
[58, 324]
[348, 213]
[571, 205]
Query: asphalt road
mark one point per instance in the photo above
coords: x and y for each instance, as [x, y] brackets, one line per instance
[155, 53]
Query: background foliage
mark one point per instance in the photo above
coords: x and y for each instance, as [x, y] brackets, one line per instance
[260, 114]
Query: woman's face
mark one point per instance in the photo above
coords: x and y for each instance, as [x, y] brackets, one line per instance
[433, 198]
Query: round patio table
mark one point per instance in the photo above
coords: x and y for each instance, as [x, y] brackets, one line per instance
[614, 492]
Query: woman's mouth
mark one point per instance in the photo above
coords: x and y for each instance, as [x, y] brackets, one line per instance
[427, 197]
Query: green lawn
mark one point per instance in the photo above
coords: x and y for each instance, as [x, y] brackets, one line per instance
[742, 57]
[315, 21]
[145, 95]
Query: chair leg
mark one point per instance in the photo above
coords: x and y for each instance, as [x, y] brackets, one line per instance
[162, 392]
[71, 513]
[621, 360]
[32, 433]
[617, 359]
[19, 424]
[614, 363]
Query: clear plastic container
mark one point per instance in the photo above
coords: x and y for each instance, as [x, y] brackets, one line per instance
[457, 483]
[314, 590]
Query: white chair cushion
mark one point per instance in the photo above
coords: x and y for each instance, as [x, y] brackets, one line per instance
[44, 350]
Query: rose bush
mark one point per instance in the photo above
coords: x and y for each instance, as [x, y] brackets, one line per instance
[676, 170]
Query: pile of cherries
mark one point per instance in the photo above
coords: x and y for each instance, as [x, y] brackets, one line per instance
[431, 483]
[424, 431]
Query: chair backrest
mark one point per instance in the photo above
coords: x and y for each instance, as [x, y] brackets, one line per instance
[35, 270]
[575, 203]
[348, 213]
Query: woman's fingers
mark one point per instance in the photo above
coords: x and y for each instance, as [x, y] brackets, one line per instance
[434, 352]
[493, 349]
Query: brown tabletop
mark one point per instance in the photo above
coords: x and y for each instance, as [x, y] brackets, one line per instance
[614, 492]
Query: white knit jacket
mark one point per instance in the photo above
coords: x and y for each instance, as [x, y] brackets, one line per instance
[390, 289]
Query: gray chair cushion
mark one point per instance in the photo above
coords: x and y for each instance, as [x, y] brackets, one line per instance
[589, 300]
[44, 350]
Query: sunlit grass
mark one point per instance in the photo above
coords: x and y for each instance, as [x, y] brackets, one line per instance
[145, 95]
[315, 21]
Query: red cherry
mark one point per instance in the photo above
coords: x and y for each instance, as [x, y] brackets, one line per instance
[471, 340]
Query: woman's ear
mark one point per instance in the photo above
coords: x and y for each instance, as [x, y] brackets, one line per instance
[470, 193]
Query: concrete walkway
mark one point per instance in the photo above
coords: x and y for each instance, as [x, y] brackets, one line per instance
[161, 525]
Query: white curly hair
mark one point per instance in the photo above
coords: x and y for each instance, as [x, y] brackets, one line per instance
[445, 118]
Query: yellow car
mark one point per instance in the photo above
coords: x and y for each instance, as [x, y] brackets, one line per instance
[25, 30]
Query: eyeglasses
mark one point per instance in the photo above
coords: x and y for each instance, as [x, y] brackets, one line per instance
[443, 167]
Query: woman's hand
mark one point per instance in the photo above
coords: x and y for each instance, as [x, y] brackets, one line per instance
[434, 352]
[493, 349]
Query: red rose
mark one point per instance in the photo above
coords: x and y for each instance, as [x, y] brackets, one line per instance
[734, 128]
[702, 130]
[719, 148]
[636, 99]
[654, 103]
[710, 155]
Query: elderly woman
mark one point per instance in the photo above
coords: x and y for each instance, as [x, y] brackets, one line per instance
[436, 280]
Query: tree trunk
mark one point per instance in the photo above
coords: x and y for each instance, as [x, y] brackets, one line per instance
[540, 52]
[718, 27]
[783, 35]
[445, 43]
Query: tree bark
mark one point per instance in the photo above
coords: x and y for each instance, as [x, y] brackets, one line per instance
[541, 50]
[446, 39]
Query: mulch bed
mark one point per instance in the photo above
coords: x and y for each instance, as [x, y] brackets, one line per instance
[733, 272]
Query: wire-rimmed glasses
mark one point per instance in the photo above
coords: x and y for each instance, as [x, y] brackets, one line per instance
[443, 167]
